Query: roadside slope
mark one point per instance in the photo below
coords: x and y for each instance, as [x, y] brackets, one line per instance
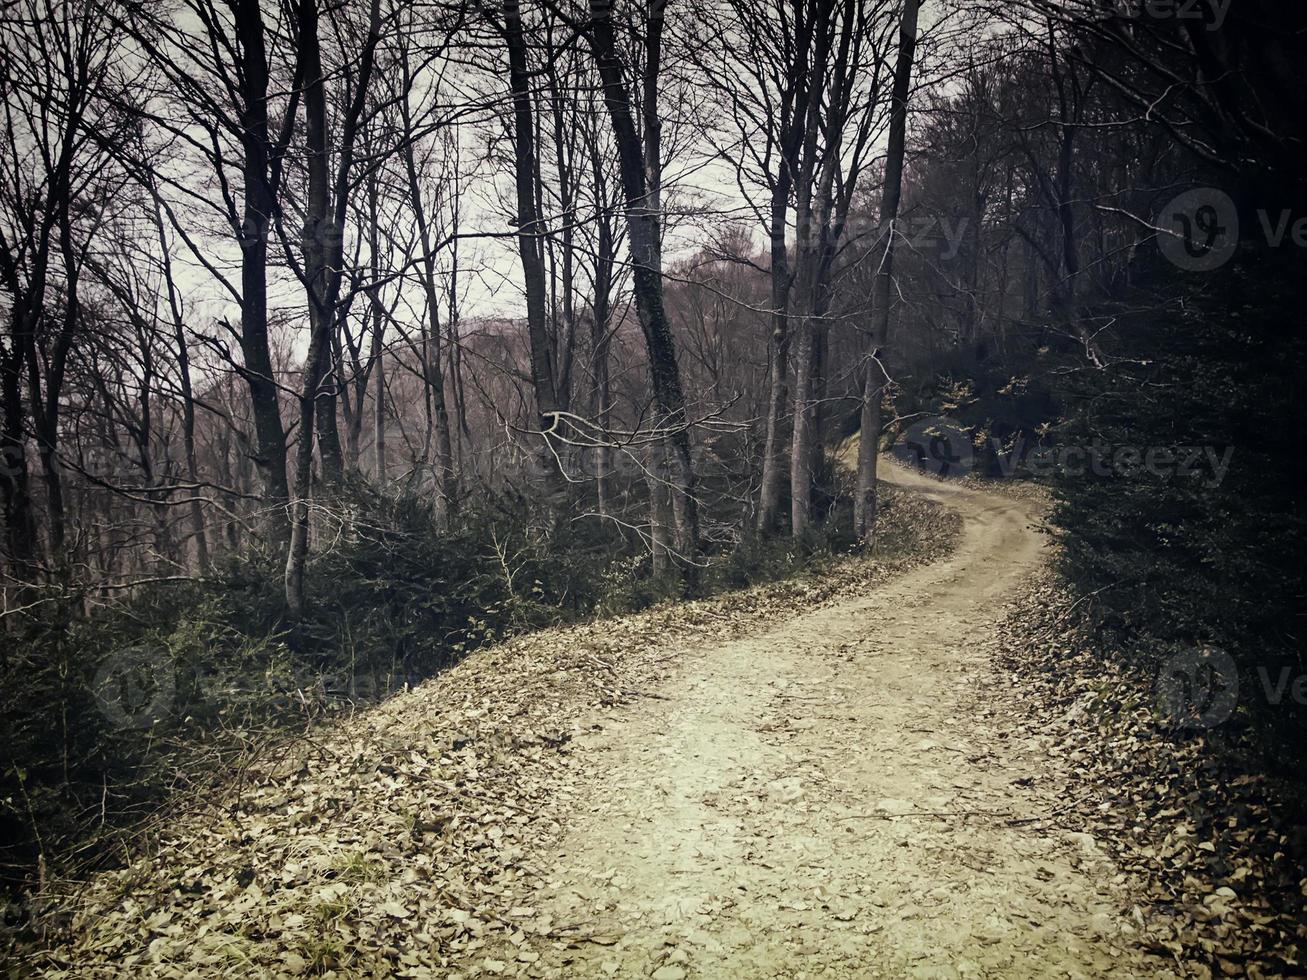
[392, 842]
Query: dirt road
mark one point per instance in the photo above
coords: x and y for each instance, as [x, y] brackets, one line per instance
[837, 797]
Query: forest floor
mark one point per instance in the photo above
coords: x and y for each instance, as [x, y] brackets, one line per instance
[802, 780]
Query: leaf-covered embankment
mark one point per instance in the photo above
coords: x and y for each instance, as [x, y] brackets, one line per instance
[1212, 844]
[383, 844]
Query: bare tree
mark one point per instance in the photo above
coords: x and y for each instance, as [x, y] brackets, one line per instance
[432, 339]
[875, 377]
[323, 249]
[530, 224]
[56, 65]
[639, 157]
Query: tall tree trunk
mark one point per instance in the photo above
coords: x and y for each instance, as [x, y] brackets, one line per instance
[1065, 295]
[198, 531]
[601, 396]
[564, 163]
[377, 352]
[45, 399]
[643, 235]
[44, 393]
[433, 372]
[874, 377]
[379, 420]
[773, 457]
[530, 227]
[260, 204]
[601, 310]
[323, 249]
[316, 272]
[20, 524]
[795, 107]
[807, 237]
[453, 344]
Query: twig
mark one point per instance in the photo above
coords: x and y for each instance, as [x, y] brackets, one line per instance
[925, 813]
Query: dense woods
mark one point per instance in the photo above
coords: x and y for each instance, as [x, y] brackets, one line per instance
[341, 339]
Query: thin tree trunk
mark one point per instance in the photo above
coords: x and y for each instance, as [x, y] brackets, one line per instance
[260, 205]
[198, 533]
[323, 259]
[316, 269]
[432, 371]
[601, 309]
[530, 227]
[773, 458]
[874, 379]
[564, 164]
[379, 420]
[463, 433]
[46, 404]
[20, 525]
[377, 353]
[601, 397]
[643, 235]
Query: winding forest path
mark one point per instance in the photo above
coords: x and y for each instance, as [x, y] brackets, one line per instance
[835, 797]
[728, 788]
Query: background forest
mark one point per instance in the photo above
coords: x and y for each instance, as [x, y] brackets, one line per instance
[341, 339]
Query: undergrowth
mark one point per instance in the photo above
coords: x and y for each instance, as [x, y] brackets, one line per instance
[108, 712]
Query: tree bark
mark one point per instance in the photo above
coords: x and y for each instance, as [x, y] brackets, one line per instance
[379, 416]
[20, 524]
[530, 227]
[432, 370]
[643, 235]
[259, 208]
[874, 377]
[601, 312]
[377, 354]
[782, 279]
[807, 239]
[198, 530]
[316, 272]
[323, 249]
[660, 542]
